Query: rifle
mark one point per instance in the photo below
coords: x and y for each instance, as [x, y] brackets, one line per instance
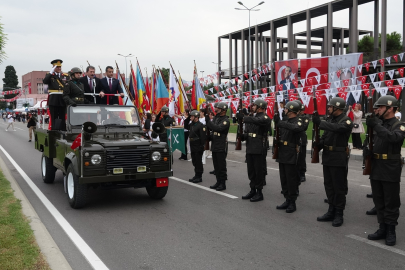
[207, 141]
[238, 145]
[276, 137]
[369, 139]
[315, 134]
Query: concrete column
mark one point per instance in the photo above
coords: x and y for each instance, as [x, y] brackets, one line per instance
[355, 27]
[236, 57]
[342, 41]
[325, 41]
[252, 54]
[219, 60]
[290, 37]
[309, 33]
[330, 28]
[230, 56]
[350, 30]
[243, 53]
[376, 27]
[256, 46]
[403, 35]
[273, 46]
[259, 63]
[336, 48]
[280, 46]
[383, 29]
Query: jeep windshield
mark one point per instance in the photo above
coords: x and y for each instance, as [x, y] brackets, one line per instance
[108, 115]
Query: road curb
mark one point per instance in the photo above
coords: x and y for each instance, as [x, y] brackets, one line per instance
[49, 249]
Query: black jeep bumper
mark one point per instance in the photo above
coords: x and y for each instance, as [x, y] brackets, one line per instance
[123, 177]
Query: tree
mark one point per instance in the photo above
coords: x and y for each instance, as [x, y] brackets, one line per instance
[165, 74]
[10, 83]
[3, 38]
[366, 44]
[394, 43]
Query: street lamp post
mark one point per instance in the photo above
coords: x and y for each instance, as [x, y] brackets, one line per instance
[217, 69]
[125, 56]
[248, 45]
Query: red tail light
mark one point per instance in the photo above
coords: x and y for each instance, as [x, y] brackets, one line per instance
[162, 182]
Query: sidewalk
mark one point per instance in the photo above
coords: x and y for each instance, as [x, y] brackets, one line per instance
[355, 154]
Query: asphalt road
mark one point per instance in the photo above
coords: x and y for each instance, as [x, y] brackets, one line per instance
[192, 228]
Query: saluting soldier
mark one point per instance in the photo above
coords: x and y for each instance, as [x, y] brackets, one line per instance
[290, 129]
[386, 167]
[166, 120]
[302, 163]
[256, 129]
[197, 137]
[73, 92]
[219, 128]
[56, 80]
[335, 158]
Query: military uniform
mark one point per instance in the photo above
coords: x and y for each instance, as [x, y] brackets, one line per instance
[256, 130]
[73, 92]
[219, 128]
[167, 121]
[302, 163]
[386, 171]
[57, 106]
[335, 157]
[197, 137]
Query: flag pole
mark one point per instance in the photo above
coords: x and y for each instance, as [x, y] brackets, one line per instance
[126, 88]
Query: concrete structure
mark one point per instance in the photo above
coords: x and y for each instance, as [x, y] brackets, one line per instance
[38, 89]
[272, 48]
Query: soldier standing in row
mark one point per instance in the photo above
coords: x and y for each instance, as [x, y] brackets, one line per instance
[166, 120]
[73, 92]
[335, 158]
[56, 80]
[256, 129]
[386, 168]
[290, 134]
[219, 127]
[197, 142]
[302, 163]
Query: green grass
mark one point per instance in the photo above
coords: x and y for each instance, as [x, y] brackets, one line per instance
[18, 249]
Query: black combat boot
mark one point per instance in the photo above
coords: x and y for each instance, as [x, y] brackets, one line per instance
[221, 186]
[284, 205]
[338, 220]
[192, 179]
[391, 238]
[258, 196]
[292, 207]
[381, 233]
[212, 172]
[372, 212]
[329, 216]
[216, 185]
[250, 195]
[197, 179]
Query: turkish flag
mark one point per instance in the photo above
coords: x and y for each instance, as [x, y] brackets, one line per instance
[310, 68]
[395, 57]
[362, 79]
[264, 90]
[401, 72]
[346, 82]
[367, 66]
[338, 73]
[389, 83]
[381, 62]
[270, 107]
[77, 142]
[381, 75]
[397, 90]
[353, 70]
[342, 92]
[295, 83]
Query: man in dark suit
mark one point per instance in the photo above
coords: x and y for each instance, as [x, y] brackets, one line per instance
[111, 86]
[92, 84]
[287, 79]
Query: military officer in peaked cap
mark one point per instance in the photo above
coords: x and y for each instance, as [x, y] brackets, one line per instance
[386, 167]
[219, 128]
[56, 81]
[256, 129]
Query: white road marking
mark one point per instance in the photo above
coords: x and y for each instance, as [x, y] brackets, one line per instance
[81, 245]
[202, 187]
[365, 186]
[376, 244]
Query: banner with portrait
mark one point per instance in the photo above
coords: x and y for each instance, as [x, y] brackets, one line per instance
[313, 71]
[286, 76]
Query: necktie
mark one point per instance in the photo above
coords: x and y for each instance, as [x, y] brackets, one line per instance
[109, 83]
[91, 84]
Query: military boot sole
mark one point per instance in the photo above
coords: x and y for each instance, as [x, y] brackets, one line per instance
[282, 207]
[214, 186]
[376, 237]
[257, 199]
[337, 224]
[248, 196]
[371, 212]
[390, 243]
[325, 219]
[220, 188]
[197, 180]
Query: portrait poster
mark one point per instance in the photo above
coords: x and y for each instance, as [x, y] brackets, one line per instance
[286, 75]
[314, 71]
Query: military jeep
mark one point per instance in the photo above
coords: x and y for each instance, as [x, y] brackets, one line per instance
[103, 146]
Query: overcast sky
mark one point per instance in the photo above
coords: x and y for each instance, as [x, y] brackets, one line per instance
[155, 31]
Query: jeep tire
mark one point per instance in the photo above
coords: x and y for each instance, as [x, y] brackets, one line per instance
[77, 193]
[47, 169]
[157, 193]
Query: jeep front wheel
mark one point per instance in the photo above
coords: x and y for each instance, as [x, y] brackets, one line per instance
[47, 169]
[77, 193]
[157, 193]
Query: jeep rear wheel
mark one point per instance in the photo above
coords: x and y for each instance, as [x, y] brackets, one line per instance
[77, 193]
[47, 169]
[157, 193]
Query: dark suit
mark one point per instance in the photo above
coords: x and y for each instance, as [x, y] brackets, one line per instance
[99, 87]
[292, 86]
[115, 89]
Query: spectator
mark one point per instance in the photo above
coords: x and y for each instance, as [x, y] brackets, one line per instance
[147, 125]
[10, 120]
[358, 127]
[4, 117]
[31, 124]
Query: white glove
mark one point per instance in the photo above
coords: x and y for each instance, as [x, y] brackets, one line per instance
[52, 70]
